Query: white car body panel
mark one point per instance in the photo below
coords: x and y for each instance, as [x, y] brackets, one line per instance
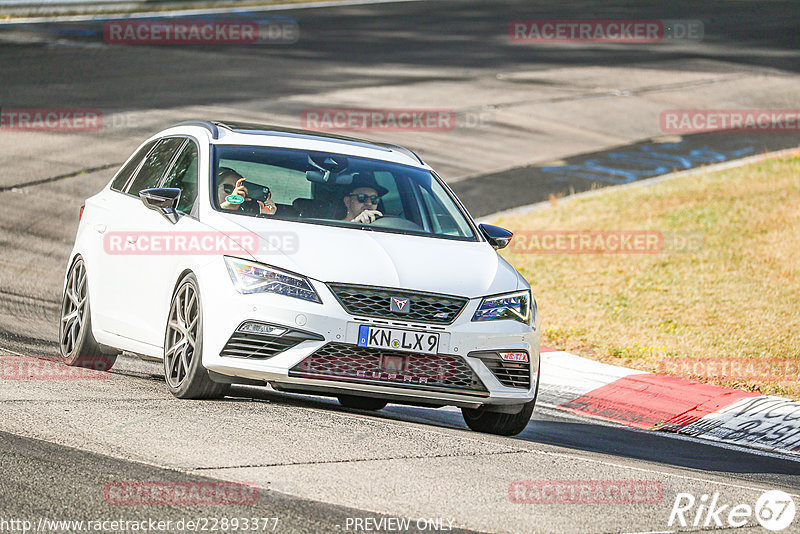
[387, 260]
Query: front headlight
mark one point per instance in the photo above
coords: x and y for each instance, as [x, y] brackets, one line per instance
[251, 277]
[515, 306]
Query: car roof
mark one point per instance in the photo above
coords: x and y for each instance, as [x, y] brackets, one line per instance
[271, 135]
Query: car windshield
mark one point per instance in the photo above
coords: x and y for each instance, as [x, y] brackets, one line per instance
[335, 190]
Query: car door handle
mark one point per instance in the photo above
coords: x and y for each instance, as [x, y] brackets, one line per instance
[101, 228]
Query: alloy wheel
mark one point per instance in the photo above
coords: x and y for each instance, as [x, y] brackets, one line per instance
[181, 335]
[73, 309]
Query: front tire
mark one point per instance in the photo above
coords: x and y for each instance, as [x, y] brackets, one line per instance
[183, 346]
[502, 424]
[76, 342]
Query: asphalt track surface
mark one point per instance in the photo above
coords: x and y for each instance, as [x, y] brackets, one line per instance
[25, 460]
[317, 463]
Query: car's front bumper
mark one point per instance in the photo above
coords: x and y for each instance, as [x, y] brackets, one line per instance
[224, 310]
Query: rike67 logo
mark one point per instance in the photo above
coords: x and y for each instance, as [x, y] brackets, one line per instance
[774, 510]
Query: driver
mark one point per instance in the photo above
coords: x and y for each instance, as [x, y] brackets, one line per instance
[229, 183]
[361, 199]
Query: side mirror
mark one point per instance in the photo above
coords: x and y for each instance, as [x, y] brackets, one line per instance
[163, 200]
[496, 236]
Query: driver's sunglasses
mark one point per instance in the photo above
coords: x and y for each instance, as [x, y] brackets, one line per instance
[361, 197]
[228, 188]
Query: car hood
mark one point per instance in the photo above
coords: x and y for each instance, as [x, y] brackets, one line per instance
[353, 256]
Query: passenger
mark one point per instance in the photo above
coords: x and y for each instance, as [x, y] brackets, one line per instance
[229, 182]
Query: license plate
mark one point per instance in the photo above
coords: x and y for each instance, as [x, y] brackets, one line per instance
[396, 339]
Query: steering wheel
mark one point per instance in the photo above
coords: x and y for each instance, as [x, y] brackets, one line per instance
[393, 221]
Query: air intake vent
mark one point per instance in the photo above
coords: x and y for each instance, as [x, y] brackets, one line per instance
[256, 346]
[511, 374]
[263, 346]
[340, 361]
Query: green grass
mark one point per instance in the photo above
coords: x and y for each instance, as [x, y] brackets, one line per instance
[733, 298]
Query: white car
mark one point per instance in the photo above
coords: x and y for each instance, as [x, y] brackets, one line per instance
[279, 285]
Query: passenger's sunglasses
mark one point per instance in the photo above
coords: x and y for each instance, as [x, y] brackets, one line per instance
[361, 197]
[228, 188]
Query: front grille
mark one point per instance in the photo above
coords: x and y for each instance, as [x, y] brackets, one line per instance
[511, 374]
[375, 301]
[242, 345]
[340, 361]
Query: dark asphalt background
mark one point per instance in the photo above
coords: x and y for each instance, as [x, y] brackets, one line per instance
[421, 34]
[45, 480]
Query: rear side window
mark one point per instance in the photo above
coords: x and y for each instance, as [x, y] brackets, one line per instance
[122, 176]
[155, 165]
[183, 175]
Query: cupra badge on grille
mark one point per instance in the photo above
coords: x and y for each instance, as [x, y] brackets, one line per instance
[399, 305]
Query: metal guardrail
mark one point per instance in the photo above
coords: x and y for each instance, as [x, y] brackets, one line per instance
[84, 6]
[65, 3]
[54, 7]
[51, 3]
[88, 7]
[58, 8]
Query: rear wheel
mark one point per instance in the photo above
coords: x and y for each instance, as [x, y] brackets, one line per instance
[76, 342]
[362, 403]
[503, 424]
[183, 347]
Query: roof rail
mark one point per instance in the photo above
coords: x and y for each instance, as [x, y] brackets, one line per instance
[208, 125]
[214, 126]
[283, 131]
[273, 128]
[408, 152]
